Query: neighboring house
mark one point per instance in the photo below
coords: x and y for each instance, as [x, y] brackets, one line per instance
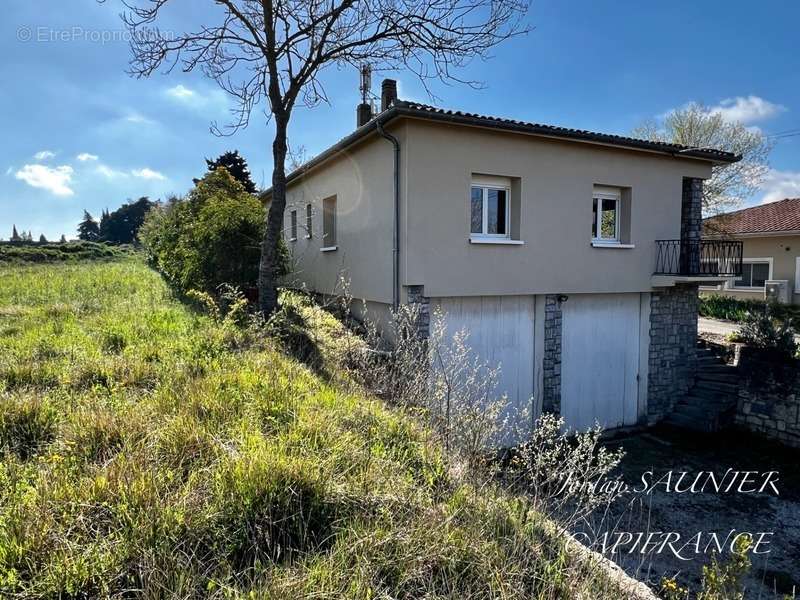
[541, 240]
[770, 234]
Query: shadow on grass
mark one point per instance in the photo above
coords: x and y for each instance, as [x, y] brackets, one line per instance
[292, 330]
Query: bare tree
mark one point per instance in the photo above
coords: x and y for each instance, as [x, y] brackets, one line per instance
[274, 51]
[697, 126]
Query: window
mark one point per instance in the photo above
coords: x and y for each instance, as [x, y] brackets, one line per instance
[293, 218]
[329, 223]
[489, 210]
[309, 229]
[606, 215]
[755, 273]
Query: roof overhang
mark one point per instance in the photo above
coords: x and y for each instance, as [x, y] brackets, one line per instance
[403, 109]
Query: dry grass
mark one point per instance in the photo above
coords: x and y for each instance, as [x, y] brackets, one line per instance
[151, 451]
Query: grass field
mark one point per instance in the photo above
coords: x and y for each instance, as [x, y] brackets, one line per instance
[150, 451]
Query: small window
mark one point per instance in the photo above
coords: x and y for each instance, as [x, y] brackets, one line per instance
[606, 215]
[489, 211]
[293, 218]
[754, 274]
[329, 222]
[309, 228]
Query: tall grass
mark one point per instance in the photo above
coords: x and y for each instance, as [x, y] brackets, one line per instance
[151, 451]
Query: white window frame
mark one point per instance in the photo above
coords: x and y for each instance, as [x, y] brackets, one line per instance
[607, 193]
[485, 184]
[752, 288]
[293, 225]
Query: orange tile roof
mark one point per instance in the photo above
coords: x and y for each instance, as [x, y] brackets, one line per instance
[773, 217]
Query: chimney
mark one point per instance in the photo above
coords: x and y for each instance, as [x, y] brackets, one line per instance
[363, 114]
[388, 93]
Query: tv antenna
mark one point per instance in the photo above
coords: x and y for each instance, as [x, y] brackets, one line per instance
[366, 83]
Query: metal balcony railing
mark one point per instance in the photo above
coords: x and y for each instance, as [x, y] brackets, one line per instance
[699, 258]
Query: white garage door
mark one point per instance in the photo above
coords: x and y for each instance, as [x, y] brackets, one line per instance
[501, 333]
[600, 360]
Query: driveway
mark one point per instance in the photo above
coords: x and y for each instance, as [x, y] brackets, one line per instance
[720, 328]
[716, 327]
[699, 518]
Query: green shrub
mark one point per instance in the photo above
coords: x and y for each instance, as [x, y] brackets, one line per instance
[212, 237]
[774, 337]
[716, 306]
[56, 252]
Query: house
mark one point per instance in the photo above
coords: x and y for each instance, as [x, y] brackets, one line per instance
[770, 234]
[572, 257]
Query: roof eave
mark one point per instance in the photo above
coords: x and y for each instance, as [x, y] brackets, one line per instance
[503, 125]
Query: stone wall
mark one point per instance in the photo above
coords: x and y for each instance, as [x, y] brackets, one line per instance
[416, 296]
[769, 398]
[673, 348]
[551, 384]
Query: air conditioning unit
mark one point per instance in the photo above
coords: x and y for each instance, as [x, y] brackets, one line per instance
[777, 290]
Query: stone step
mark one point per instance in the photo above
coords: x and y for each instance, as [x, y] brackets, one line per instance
[712, 395]
[717, 386]
[717, 367]
[696, 412]
[685, 422]
[713, 404]
[721, 376]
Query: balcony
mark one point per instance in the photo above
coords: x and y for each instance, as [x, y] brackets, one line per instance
[696, 260]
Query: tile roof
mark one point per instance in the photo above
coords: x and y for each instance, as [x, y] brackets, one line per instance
[425, 110]
[406, 108]
[774, 217]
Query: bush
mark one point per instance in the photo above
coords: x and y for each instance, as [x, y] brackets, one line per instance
[54, 252]
[716, 306]
[774, 337]
[213, 237]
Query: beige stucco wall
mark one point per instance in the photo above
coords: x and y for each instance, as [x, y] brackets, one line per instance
[556, 209]
[783, 250]
[362, 180]
[556, 180]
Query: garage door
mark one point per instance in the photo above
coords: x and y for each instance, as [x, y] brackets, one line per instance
[600, 360]
[501, 333]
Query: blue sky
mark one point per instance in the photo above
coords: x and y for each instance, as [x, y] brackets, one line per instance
[79, 133]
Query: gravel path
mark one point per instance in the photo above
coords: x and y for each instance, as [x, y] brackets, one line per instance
[689, 514]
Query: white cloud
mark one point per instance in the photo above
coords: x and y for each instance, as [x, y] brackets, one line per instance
[747, 110]
[85, 156]
[110, 173]
[138, 119]
[147, 174]
[779, 185]
[53, 179]
[214, 100]
[181, 92]
[44, 155]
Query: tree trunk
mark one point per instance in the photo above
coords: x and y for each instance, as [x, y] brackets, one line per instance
[267, 284]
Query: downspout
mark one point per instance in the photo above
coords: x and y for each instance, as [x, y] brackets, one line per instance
[396, 233]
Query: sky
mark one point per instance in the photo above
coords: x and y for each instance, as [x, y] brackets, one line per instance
[80, 134]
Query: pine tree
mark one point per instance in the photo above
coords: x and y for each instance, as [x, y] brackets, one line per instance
[236, 166]
[88, 229]
[42, 239]
[63, 239]
[14, 235]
